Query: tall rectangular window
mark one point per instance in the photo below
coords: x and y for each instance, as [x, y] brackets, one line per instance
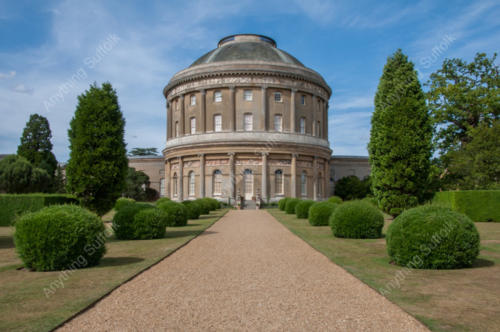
[217, 122]
[278, 97]
[278, 122]
[248, 122]
[248, 95]
[193, 100]
[303, 99]
[217, 96]
[302, 125]
[193, 126]
[176, 128]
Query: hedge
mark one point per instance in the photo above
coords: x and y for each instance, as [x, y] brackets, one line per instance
[282, 203]
[479, 205]
[433, 237]
[150, 224]
[335, 200]
[123, 201]
[291, 203]
[123, 220]
[13, 205]
[177, 213]
[302, 209]
[357, 220]
[320, 212]
[60, 237]
[193, 209]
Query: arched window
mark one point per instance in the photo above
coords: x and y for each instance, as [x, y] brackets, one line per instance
[278, 181]
[175, 184]
[217, 183]
[248, 121]
[191, 183]
[302, 125]
[278, 122]
[303, 183]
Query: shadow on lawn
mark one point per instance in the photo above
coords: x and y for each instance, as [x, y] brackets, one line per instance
[187, 233]
[481, 262]
[118, 261]
[6, 242]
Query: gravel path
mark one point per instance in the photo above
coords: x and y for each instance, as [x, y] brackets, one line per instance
[246, 272]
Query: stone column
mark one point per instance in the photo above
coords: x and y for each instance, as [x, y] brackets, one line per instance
[264, 177]
[315, 178]
[314, 104]
[294, 175]
[326, 190]
[180, 185]
[166, 176]
[203, 111]
[202, 175]
[181, 123]
[264, 108]
[169, 120]
[232, 180]
[232, 106]
[325, 121]
[293, 121]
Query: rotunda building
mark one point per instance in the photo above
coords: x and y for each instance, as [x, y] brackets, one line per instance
[247, 121]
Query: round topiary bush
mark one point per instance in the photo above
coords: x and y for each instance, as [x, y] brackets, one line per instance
[282, 203]
[212, 203]
[177, 213]
[291, 203]
[320, 212]
[302, 209]
[60, 237]
[335, 200]
[357, 220]
[433, 237]
[122, 201]
[203, 205]
[193, 209]
[123, 220]
[162, 200]
[150, 224]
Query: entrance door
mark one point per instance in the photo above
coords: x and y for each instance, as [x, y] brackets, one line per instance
[248, 183]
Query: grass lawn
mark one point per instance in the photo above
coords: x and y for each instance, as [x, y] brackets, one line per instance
[23, 303]
[444, 300]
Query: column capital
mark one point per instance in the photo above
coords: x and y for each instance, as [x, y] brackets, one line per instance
[294, 90]
[232, 87]
[231, 154]
[201, 155]
[203, 91]
[264, 87]
[295, 155]
[265, 154]
[179, 159]
[181, 96]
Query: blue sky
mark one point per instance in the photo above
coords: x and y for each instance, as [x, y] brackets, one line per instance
[51, 51]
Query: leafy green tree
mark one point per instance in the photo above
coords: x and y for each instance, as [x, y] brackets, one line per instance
[98, 163]
[137, 182]
[36, 146]
[18, 176]
[351, 187]
[143, 152]
[400, 144]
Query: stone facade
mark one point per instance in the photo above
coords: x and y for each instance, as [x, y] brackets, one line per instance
[154, 167]
[249, 120]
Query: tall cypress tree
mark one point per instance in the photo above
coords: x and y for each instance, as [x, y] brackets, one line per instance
[36, 146]
[98, 163]
[400, 145]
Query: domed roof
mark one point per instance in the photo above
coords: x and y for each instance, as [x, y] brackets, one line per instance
[247, 47]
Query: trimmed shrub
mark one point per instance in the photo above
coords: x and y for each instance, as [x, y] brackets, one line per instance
[123, 201]
[282, 203]
[291, 203]
[302, 209]
[12, 205]
[357, 220]
[177, 213]
[320, 212]
[193, 209]
[479, 205]
[150, 224]
[335, 200]
[60, 237]
[123, 220]
[433, 237]
[212, 203]
[204, 206]
[162, 200]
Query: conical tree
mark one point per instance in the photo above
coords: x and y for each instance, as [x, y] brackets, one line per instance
[98, 163]
[36, 146]
[400, 145]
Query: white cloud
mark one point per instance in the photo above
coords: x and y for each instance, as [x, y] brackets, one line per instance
[10, 74]
[353, 102]
[21, 88]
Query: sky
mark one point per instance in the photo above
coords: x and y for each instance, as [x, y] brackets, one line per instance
[51, 51]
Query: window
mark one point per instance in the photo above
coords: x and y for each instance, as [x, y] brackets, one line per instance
[278, 122]
[302, 125]
[176, 128]
[217, 183]
[303, 183]
[163, 191]
[217, 96]
[248, 122]
[320, 185]
[318, 129]
[191, 183]
[193, 126]
[278, 181]
[303, 99]
[277, 97]
[248, 95]
[217, 122]
[193, 100]
[175, 184]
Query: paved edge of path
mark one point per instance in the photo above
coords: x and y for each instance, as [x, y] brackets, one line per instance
[340, 266]
[108, 293]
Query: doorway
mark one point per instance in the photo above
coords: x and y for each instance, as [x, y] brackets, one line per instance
[248, 184]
